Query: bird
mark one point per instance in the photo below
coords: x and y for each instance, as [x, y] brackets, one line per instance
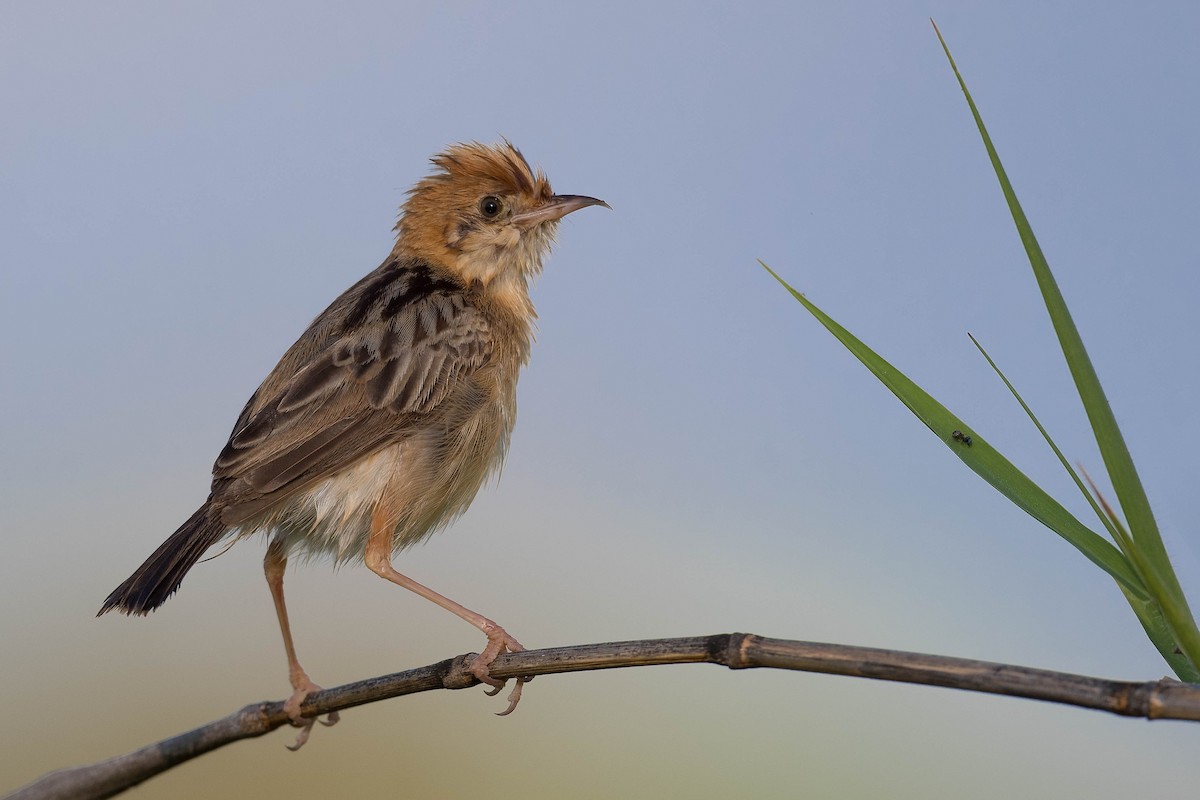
[380, 424]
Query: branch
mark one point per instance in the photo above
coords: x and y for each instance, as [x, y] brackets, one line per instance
[1162, 699]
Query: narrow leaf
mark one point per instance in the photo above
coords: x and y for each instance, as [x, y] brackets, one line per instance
[981, 457]
[1150, 615]
[1104, 520]
[1117, 460]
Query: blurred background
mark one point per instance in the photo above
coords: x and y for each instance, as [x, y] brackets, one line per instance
[184, 186]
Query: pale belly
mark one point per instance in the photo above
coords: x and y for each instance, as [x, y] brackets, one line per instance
[430, 477]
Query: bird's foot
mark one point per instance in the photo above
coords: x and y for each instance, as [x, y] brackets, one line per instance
[302, 688]
[499, 643]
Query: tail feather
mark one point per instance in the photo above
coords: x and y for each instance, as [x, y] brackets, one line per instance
[157, 579]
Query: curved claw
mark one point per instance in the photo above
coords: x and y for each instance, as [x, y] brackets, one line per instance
[302, 737]
[303, 688]
[499, 642]
[513, 698]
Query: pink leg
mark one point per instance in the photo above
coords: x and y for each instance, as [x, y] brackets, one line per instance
[274, 564]
[378, 556]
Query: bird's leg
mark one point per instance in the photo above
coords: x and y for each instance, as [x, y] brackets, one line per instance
[274, 564]
[378, 556]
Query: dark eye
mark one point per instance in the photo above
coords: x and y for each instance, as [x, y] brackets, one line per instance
[491, 206]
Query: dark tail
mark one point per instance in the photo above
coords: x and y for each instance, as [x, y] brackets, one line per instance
[157, 579]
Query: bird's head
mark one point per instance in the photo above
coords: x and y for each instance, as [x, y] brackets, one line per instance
[485, 215]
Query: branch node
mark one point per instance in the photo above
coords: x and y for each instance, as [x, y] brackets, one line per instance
[459, 675]
[1157, 705]
[734, 650]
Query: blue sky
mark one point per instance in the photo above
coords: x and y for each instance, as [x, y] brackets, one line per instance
[184, 186]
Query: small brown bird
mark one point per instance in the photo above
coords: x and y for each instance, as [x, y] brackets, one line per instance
[380, 424]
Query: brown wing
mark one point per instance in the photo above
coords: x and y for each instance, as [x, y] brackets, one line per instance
[364, 390]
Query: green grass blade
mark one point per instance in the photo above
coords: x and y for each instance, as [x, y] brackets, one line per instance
[1184, 636]
[1150, 615]
[1117, 460]
[1104, 520]
[982, 457]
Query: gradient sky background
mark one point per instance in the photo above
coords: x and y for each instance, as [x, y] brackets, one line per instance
[184, 186]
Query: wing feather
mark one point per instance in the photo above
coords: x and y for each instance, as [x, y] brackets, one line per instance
[365, 389]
